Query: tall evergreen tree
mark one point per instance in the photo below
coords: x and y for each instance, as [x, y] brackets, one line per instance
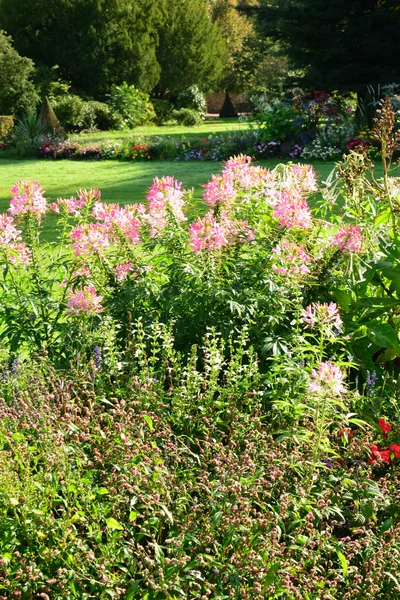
[95, 43]
[190, 48]
[338, 44]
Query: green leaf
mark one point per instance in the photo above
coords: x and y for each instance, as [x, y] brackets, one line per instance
[113, 524]
[384, 335]
[148, 421]
[343, 298]
[343, 562]
[271, 574]
[131, 591]
[133, 515]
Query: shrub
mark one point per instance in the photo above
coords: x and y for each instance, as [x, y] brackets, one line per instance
[130, 103]
[192, 98]
[70, 110]
[18, 96]
[187, 117]
[163, 110]
[6, 126]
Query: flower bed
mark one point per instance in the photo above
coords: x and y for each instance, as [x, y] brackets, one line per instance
[202, 408]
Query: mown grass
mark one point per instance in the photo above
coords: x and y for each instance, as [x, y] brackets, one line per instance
[210, 126]
[122, 182]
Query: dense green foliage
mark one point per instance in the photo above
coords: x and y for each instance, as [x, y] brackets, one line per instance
[17, 92]
[241, 448]
[338, 45]
[94, 44]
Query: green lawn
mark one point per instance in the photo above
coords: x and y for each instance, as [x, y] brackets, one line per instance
[210, 126]
[123, 182]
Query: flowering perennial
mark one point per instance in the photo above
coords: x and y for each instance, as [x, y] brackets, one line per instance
[292, 210]
[327, 377]
[85, 300]
[27, 197]
[348, 239]
[220, 191]
[164, 194]
[209, 234]
[292, 259]
[322, 315]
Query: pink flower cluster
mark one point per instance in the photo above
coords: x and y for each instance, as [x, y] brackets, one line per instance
[291, 258]
[73, 205]
[118, 220]
[209, 234]
[85, 301]
[164, 195]
[304, 178]
[220, 191]
[15, 250]
[348, 239]
[122, 271]
[292, 210]
[27, 197]
[89, 238]
[327, 377]
[244, 175]
[322, 315]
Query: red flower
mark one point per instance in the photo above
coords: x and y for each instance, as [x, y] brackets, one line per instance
[381, 455]
[395, 448]
[385, 456]
[384, 426]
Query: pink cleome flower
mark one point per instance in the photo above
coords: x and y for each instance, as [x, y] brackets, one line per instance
[304, 177]
[15, 250]
[318, 314]
[73, 206]
[117, 220]
[8, 232]
[164, 194]
[348, 239]
[209, 234]
[246, 176]
[85, 301]
[89, 238]
[327, 377]
[292, 259]
[292, 210]
[220, 190]
[122, 271]
[27, 197]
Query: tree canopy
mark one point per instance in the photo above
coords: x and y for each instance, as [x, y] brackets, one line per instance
[171, 44]
[17, 92]
[340, 44]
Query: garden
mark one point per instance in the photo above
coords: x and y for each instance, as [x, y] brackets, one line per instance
[204, 406]
[199, 300]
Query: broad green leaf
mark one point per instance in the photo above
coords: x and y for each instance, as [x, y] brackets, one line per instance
[343, 562]
[148, 421]
[113, 524]
[271, 574]
[384, 335]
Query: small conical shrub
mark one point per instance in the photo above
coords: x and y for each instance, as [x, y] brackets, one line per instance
[228, 109]
[49, 120]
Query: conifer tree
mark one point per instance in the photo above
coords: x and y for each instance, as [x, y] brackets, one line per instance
[338, 44]
[95, 43]
[190, 49]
